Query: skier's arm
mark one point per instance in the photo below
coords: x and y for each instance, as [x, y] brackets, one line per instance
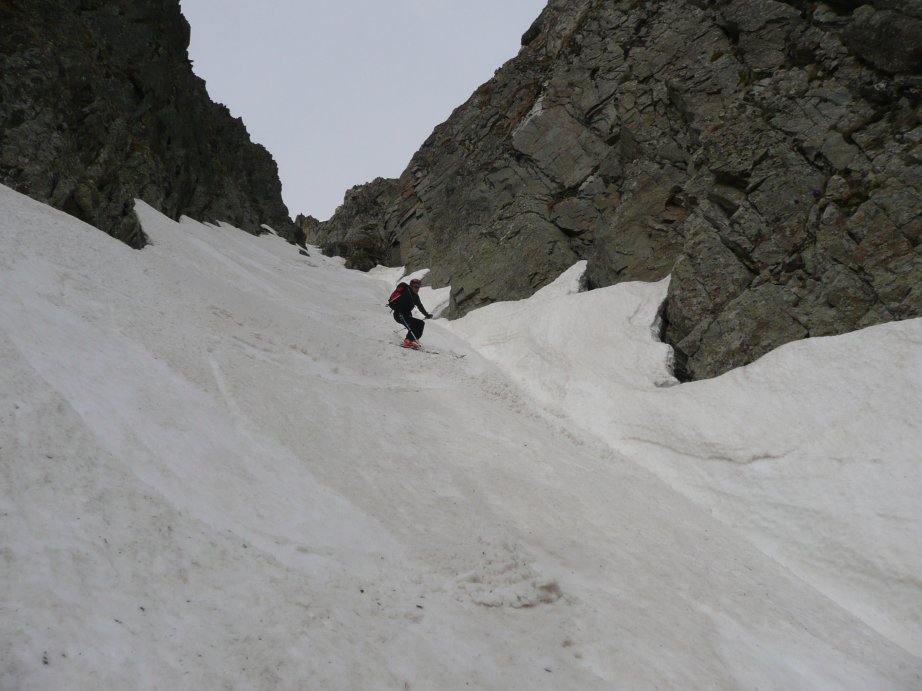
[420, 305]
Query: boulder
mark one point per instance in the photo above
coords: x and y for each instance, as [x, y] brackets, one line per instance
[888, 39]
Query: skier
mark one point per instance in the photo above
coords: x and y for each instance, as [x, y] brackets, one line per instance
[402, 301]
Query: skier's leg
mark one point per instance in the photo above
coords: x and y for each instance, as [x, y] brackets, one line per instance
[408, 321]
[401, 319]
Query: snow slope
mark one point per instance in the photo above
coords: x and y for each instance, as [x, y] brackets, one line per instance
[217, 472]
[814, 452]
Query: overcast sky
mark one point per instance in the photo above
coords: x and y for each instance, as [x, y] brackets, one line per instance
[343, 92]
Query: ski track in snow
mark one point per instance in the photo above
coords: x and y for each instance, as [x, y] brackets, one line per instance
[215, 475]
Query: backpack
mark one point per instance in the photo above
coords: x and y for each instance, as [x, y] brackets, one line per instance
[392, 300]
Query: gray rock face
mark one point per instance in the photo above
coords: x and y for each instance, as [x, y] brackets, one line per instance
[309, 226]
[889, 39]
[766, 154]
[356, 230]
[99, 105]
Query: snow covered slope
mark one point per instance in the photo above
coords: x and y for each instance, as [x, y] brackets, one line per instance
[217, 472]
[814, 452]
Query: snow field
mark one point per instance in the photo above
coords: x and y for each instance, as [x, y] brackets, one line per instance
[216, 473]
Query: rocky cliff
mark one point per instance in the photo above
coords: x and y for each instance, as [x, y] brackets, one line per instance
[99, 105]
[767, 155]
[356, 231]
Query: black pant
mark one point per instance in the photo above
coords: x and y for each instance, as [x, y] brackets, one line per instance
[413, 325]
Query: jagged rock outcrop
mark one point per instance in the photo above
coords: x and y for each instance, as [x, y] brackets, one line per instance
[99, 105]
[356, 229]
[766, 154]
[309, 226]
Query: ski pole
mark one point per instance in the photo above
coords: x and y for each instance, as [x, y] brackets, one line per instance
[404, 320]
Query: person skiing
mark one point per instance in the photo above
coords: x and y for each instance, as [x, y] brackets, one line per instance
[402, 301]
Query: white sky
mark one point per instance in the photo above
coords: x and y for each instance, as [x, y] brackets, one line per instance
[343, 92]
[217, 470]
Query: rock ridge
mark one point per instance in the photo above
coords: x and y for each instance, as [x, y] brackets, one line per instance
[99, 106]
